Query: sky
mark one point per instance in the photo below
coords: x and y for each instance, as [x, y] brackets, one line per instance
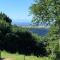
[16, 9]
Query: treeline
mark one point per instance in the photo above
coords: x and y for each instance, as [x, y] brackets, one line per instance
[17, 39]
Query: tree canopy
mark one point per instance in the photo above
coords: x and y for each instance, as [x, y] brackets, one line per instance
[4, 17]
[46, 11]
[5, 23]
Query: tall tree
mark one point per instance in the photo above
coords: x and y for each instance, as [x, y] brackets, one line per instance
[5, 24]
[46, 11]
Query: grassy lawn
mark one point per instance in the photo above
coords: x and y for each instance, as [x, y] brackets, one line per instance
[21, 57]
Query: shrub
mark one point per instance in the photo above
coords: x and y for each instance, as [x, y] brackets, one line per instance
[24, 43]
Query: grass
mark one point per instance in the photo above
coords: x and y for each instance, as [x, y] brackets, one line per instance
[16, 56]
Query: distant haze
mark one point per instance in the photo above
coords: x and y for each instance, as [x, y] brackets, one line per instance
[21, 22]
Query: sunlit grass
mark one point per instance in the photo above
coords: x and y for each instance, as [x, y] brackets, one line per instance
[17, 56]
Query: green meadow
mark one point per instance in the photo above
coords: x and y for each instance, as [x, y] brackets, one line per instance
[17, 56]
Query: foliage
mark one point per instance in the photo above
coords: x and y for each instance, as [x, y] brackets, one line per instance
[46, 11]
[4, 27]
[5, 24]
[36, 37]
[4, 17]
[18, 39]
[23, 43]
[15, 28]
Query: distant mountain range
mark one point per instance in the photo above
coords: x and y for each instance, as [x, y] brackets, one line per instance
[22, 23]
[27, 24]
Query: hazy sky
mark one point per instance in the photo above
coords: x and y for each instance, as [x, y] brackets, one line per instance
[16, 9]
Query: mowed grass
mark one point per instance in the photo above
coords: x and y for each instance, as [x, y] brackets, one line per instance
[17, 56]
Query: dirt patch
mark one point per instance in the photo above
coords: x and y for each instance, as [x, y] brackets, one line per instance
[8, 59]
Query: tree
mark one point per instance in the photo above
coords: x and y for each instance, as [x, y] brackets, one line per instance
[4, 27]
[5, 24]
[4, 17]
[46, 11]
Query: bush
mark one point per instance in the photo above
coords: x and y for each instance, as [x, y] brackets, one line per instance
[10, 42]
[23, 43]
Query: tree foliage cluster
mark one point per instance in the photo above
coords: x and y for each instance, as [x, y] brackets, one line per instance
[46, 11]
[49, 11]
[17, 39]
[5, 18]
